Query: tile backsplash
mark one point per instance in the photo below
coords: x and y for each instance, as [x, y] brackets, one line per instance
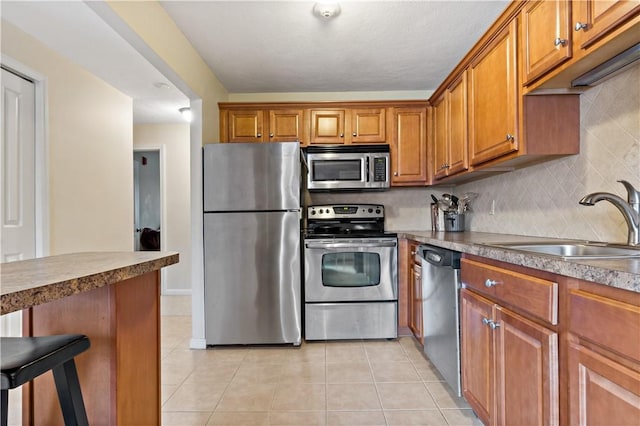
[542, 200]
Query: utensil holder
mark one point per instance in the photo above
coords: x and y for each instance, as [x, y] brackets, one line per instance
[453, 222]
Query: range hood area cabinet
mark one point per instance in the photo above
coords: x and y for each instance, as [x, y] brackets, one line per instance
[561, 40]
[401, 124]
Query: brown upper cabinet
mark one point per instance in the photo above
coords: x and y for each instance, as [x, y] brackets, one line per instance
[327, 126]
[408, 145]
[368, 125]
[595, 19]
[450, 130]
[546, 36]
[345, 126]
[262, 125]
[563, 39]
[493, 98]
[286, 125]
[245, 126]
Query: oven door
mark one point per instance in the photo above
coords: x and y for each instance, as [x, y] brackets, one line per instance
[340, 270]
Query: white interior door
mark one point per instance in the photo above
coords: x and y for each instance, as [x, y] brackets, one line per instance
[17, 169]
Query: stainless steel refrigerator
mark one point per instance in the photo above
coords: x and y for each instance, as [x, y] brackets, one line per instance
[252, 243]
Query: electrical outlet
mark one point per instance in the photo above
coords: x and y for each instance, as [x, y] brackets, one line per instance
[493, 207]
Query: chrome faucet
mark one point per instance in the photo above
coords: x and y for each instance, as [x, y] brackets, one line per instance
[630, 209]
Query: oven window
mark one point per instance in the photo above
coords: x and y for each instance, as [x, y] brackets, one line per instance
[350, 269]
[340, 170]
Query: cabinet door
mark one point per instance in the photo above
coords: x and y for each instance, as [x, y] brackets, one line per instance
[440, 138]
[601, 391]
[368, 125]
[285, 125]
[493, 102]
[594, 19]
[409, 146]
[327, 126]
[245, 126]
[476, 353]
[545, 38]
[457, 123]
[527, 382]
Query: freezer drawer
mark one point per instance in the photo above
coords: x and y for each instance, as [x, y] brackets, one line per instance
[252, 278]
[329, 321]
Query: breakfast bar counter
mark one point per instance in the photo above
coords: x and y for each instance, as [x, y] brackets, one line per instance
[114, 299]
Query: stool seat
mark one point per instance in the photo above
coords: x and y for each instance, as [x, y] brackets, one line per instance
[24, 358]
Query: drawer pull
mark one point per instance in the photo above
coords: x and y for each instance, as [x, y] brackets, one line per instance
[491, 283]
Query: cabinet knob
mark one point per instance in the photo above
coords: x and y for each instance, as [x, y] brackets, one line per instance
[486, 321]
[259, 135]
[560, 41]
[342, 135]
[510, 137]
[354, 134]
[491, 283]
[270, 135]
[395, 173]
[494, 325]
[580, 26]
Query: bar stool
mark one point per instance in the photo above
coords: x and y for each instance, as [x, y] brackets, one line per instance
[25, 358]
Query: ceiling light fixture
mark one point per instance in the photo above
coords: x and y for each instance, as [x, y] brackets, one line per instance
[186, 113]
[326, 10]
[161, 85]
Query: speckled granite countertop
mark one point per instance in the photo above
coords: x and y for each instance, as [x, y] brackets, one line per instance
[621, 273]
[32, 282]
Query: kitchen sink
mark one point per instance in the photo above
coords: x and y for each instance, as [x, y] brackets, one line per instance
[573, 250]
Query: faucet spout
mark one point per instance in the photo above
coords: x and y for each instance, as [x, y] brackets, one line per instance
[630, 209]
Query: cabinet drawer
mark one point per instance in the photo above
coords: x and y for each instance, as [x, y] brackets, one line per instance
[607, 322]
[533, 295]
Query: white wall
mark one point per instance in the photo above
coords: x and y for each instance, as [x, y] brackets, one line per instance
[89, 140]
[176, 232]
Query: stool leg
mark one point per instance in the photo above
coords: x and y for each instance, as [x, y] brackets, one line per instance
[5, 406]
[69, 394]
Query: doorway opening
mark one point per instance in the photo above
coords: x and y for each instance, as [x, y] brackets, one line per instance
[147, 200]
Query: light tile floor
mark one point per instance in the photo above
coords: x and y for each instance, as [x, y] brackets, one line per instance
[319, 383]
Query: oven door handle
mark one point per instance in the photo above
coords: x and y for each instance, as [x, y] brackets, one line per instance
[311, 245]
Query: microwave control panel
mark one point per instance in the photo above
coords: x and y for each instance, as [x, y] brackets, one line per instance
[379, 169]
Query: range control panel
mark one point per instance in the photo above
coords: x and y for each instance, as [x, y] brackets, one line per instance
[346, 211]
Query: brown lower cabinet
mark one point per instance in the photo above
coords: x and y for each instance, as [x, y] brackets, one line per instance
[544, 349]
[509, 364]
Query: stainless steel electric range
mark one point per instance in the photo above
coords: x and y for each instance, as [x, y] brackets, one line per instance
[351, 278]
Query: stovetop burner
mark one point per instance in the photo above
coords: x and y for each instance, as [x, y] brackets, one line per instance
[346, 221]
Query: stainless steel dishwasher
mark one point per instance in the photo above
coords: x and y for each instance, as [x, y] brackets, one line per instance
[440, 311]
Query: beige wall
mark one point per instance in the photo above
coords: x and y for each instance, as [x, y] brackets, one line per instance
[89, 144]
[173, 139]
[329, 96]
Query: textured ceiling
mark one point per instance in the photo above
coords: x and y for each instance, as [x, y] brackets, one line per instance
[271, 46]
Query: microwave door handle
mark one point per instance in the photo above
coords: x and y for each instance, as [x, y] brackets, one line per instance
[367, 170]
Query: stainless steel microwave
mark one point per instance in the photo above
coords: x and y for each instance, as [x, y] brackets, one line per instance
[347, 167]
